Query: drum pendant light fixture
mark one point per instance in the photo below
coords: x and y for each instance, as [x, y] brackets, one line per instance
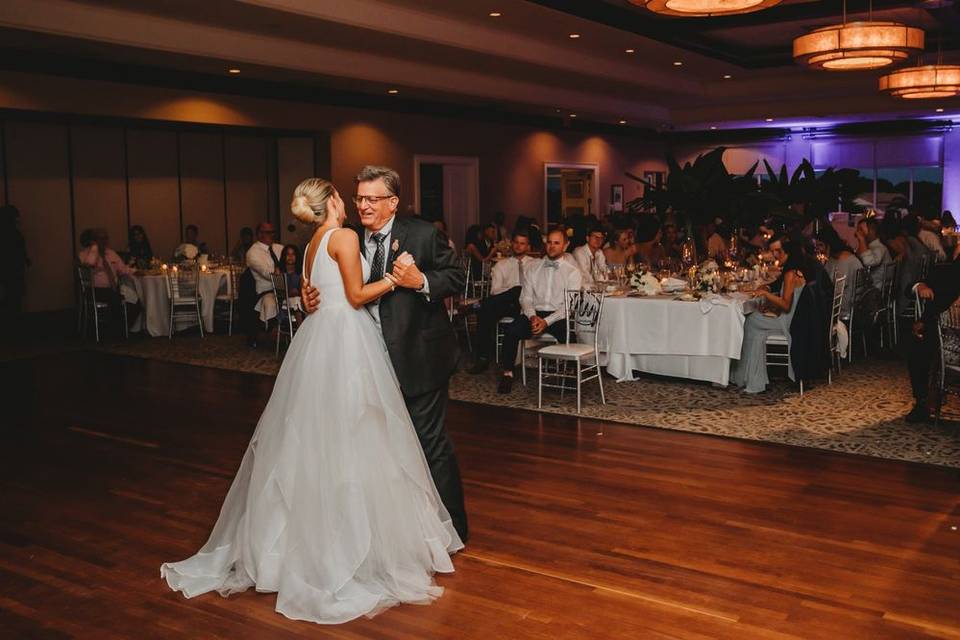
[704, 8]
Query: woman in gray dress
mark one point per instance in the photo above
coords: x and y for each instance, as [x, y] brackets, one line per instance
[750, 372]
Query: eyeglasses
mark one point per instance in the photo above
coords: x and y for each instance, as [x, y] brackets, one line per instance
[359, 200]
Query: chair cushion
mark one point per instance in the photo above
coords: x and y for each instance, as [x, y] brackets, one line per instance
[574, 350]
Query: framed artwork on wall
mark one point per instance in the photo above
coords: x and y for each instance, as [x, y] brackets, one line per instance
[616, 197]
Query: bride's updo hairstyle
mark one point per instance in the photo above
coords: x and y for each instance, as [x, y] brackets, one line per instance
[309, 204]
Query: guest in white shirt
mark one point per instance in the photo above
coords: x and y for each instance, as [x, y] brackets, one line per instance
[590, 258]
[873, 253]
[542, 308]
[506, 282]
[263, 260]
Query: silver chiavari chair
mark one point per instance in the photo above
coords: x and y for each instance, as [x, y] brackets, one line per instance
[286, 320]
[839, 284]
[183, 289]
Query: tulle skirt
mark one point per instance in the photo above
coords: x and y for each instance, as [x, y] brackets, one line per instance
[333, 507]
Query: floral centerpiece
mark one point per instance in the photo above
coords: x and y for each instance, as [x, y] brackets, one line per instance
[709, 273]
[503, 248]
[645, 283]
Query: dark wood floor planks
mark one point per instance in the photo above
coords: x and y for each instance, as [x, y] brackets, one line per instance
[580, 529]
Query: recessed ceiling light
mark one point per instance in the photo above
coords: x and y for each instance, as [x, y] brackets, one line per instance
[495, 14]
[727, 76]
[712, 128]
[940, 110]
[393, 92]
[573, 115]
[623, 122]
[769, 119]
[677, 63]
[629, 50]
[234, 71]
[574, 35]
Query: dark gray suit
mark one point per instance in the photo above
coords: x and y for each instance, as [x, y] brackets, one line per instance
[424, 351]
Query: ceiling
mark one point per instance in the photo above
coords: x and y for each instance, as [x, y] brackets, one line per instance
[453, 55]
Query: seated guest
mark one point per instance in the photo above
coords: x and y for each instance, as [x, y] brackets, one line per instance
[842, 262]
[890, 232]
[670, 241]
[622, 249]
[649, 250]
[139, 253]
[948, 231]
[499, 221]
[441, 228]
[292, 267]
[715, 244]
[873, 253]
[542, 304]
[263, 260]
[507, 279]
[478, 248]
[239, 253]
[930, 236]
[106, 271]
[191, 246]
[590, 258]
[938, 291]
[778, 306]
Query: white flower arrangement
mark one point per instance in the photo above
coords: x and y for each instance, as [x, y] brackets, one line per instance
[646, 283]
[187, 251]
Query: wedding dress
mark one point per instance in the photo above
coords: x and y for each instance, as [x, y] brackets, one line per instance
[333, 507]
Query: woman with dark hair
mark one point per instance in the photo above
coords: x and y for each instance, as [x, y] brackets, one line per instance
[292, 263]
[478, 249]
[891, 234]
[842, 262]
[139, 252]
[774, 317]
[13, 268]
[648, 236]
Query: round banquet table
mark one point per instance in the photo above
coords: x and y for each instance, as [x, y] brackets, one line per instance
[152, 291]
[661, 335]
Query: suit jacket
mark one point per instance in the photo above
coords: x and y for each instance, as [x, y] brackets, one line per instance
[944, 279]
[416, 328]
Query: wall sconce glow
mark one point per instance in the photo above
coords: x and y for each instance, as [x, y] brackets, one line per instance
[233, 71]
[704, 8]
[857, 45]
[928, 81]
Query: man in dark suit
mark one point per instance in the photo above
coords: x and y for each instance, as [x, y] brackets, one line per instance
[417, 331]
[938, 291]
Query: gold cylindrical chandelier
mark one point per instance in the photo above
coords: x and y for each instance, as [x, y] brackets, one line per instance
[704, 8]
[927, 81]
[857, 45]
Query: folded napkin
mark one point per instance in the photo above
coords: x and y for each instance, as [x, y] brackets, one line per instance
[673, 284]
[711, 300]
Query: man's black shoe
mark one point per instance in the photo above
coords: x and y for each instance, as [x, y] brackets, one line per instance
[919, 413]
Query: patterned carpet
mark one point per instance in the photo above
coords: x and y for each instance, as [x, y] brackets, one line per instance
[860, 413]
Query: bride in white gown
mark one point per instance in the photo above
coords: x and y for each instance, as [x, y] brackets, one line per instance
[333, 507]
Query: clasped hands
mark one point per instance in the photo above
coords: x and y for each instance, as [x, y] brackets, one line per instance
[405, 274]
[537, 325]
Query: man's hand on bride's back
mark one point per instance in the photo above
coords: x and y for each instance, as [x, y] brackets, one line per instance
[309, 297]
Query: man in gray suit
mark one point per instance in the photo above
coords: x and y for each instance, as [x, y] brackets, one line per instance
[419, 337]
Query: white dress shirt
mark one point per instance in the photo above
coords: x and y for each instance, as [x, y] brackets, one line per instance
[506, 273]
[543, 288]
[262, 266]
[371, 250]
[590, 263]
[876, 254]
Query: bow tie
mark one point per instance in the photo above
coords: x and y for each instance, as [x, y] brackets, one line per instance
[551, 264]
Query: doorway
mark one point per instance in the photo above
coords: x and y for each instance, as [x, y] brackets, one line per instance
[448, 188]
[570, 190]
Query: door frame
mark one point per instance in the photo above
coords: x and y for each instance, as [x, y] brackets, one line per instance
[595, 201]
[472, 162]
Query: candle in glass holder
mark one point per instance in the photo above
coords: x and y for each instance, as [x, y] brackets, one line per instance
[174, 268]
[203, 267]
[163, 267]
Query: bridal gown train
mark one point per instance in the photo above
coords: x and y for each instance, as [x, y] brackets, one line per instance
[333, 507]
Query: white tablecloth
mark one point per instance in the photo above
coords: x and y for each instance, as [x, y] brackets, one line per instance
[670, 337]
[152, 291]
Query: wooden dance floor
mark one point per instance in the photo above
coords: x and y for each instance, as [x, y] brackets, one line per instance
[580, 529]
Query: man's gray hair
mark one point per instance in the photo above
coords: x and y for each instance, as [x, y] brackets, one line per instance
[390, 177]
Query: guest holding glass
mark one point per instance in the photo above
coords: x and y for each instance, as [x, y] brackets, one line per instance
[873, 253]
[774, 317]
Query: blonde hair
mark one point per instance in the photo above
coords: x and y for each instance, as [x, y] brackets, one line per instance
[310, 198]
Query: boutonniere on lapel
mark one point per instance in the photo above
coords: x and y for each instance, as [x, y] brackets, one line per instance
[395, 246]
